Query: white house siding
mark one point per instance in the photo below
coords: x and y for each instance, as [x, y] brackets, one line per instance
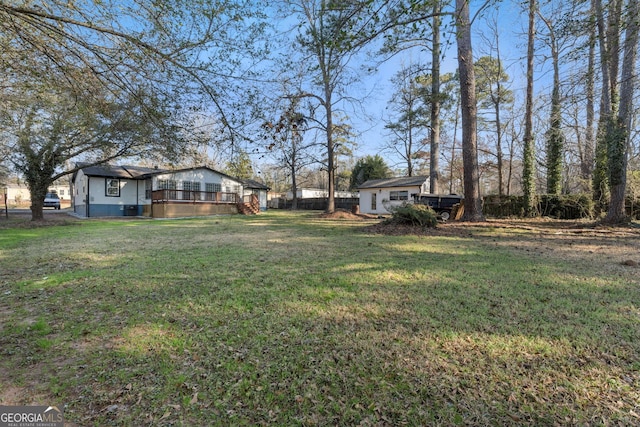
[203, 176]
[317, 193]
[382, 196]
[102, 205]
[79, 194]
[18, 195]
[141, 192]
[262, 197]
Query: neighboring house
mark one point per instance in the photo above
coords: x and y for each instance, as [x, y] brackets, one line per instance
[316, 193]
[18, 195]
[106, 190]
[376, 193]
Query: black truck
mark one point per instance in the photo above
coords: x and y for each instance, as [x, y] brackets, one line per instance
[442, 204]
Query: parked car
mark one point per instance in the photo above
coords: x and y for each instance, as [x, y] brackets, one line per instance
[441, 203]
[51, 200]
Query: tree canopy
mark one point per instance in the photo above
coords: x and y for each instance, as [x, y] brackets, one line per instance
[369, 167]
[94, 81]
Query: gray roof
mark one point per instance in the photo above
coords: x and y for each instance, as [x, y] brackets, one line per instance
[125, 172]
[250, 183]
[405, 181]
[141, 172]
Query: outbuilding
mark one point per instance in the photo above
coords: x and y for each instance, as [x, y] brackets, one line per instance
[376, 195]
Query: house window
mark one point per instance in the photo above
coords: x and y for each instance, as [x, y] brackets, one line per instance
[168, 184]
[62, 192]
[190, 190]
[147, 188]
[112, 187]
[210, 188]
[213, 187]
[398, 195]
[186, 190]
[374, 201]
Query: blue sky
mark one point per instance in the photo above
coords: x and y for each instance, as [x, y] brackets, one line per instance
[512, 25]
[512, 46]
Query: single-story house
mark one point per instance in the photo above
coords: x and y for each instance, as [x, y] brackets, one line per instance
[377, 194]
[316, 193]
[108, 190]
[18, 195]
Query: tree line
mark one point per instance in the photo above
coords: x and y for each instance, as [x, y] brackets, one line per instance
[175, 81]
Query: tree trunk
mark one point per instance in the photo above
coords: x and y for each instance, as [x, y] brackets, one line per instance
[434, 173]
[453, 147]
[38, 192]
[472, 199]
[499, 154]
[587, 158]
[294, 190]
[528, 179]
[618, 142]
[331, 169]
[555, 137]
[609, 42]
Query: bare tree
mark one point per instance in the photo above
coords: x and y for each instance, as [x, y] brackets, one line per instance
[408, 130]
[286, 143]
[326, 40]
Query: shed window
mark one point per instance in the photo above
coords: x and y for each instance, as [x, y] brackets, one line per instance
[112, 187]
[398, 195]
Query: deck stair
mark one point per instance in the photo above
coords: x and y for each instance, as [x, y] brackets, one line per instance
[250, 205]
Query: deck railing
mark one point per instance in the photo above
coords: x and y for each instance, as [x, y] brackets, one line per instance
[188, 196]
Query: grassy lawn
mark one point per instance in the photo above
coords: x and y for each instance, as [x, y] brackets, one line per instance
[288, 319]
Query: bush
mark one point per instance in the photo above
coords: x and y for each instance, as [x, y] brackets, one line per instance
[415, 215]
[572, 206]
[503, 206]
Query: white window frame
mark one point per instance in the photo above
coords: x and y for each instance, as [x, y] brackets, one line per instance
[111, 190]
[399, 195]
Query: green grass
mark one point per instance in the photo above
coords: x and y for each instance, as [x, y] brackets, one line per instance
[288, 319]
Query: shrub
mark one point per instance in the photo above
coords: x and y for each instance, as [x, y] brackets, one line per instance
[503, 206]
[572, 206]
[415, 215]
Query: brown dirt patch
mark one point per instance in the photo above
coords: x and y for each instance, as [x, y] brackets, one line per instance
[613, 249]
[345, 214]
[22, 219]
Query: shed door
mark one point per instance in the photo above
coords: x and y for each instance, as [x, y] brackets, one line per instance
[374, 202]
